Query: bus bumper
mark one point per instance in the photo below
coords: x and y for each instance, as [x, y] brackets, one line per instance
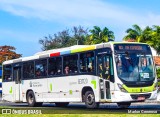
[154, 95]
[119, 96]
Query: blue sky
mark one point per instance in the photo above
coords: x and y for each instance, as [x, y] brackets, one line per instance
[24, 22]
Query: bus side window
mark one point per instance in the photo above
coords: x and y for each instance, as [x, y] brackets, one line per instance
[7, 74]
[70, 64]
[55, 66]
[41, 68]
[87, 62]
[28, 70]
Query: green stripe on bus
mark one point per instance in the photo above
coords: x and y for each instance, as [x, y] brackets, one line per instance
[94, 83]
[76, 50]
[140, 89]
[51, 87]
[10, 90]
[70, 92]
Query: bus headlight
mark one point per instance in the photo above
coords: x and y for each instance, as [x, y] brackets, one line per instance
[121, 88]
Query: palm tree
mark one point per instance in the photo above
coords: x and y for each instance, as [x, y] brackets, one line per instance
[133, 33]
[100, 36]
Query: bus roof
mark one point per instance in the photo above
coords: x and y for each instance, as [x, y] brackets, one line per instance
[66, 50]
[125, 42]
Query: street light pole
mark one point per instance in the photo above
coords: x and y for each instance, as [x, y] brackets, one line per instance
[77, 41]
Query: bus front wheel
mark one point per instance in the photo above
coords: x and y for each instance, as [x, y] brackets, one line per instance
[123, 104]
[31, 100]
[90, 100]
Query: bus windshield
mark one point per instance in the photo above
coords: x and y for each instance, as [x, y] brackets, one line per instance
[135, 67]
[134, 63]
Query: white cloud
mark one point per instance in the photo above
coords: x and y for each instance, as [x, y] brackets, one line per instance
[83, 11]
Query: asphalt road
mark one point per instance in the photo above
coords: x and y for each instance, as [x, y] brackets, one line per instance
[142, 105]
[79, 108]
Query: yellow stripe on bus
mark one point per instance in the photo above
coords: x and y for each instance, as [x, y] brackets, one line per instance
[84, 49]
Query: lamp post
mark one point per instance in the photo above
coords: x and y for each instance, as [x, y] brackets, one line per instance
[77, 41]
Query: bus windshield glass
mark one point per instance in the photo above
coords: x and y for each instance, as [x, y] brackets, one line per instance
[135, 64]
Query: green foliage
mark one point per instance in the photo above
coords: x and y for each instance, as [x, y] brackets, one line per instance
[65, 38]
[76, 36]
[133, 33]
[100, 36]
[150, 35]
[158, 73]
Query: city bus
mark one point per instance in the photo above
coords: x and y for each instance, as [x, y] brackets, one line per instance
[113, 72]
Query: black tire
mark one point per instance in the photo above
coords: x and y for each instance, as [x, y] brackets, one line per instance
[123, 104]
[61, 104]
[90, 100]
[31, 100]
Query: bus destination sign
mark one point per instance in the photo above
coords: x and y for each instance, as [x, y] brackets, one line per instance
[127, 47]
[130, 47]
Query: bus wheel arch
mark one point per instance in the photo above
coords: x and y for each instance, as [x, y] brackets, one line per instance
[27, 92]
[88, 97]
[31, 100]
[84, 90]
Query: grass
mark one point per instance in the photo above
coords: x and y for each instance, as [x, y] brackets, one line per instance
[83, 115]
[67, 112]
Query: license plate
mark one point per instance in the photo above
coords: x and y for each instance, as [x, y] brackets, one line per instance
[141, 98]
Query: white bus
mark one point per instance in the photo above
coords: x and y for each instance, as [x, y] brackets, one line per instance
[121, 73]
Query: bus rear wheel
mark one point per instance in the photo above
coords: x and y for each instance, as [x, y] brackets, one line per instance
[31, 100]
[90, 100]
[61, 104]
[123, 104]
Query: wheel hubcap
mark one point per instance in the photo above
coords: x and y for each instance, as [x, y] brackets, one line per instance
[90, 99]
[30, 99]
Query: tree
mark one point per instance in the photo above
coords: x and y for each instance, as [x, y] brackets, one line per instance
[8, 53]
[65, 38]
[133, 33]
[100, 36]
[150, 35]
[79, 35]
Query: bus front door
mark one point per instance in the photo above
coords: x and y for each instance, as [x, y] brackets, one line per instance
[17, 79]
[103, 71]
